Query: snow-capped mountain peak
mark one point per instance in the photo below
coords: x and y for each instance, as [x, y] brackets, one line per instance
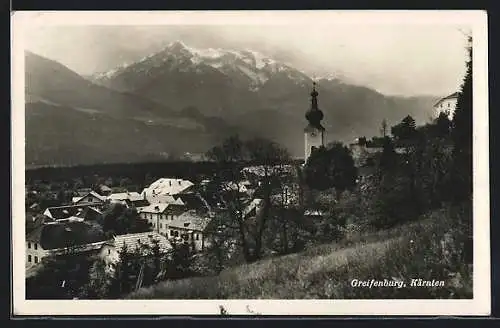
[247, 64]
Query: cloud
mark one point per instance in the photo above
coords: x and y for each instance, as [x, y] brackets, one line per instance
[403, 60]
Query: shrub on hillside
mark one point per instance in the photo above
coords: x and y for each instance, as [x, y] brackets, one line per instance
[427, 249]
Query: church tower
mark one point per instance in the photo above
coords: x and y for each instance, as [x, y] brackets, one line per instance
[314, 133]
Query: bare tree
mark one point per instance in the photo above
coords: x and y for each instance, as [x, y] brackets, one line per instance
[268, 159]
[383, 128]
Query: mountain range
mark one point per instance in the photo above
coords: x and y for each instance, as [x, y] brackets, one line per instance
[183, 99]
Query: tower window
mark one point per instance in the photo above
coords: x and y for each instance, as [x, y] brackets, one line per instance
[36, 259]
[29, 258]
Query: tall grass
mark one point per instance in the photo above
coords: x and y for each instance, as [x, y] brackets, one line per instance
[431, 248]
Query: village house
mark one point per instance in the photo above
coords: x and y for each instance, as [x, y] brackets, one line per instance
[363, 151]
[122, 197]
[166, 186]
[104, 190]
[91, 198]
[110, 250]
[191, 228]
[60, 238]
[158, 215]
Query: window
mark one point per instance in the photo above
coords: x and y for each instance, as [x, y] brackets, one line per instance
[177, 233]
[171, 232]
[197, 236]
[29, 258]
[109, 251]
[36, 246]
[29, 245]
[36, 259]
[161, 226]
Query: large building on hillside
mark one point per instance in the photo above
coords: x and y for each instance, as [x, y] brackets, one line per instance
[446, 105]
[314, 133]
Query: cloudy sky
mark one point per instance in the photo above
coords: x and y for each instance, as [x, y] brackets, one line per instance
[393, 59]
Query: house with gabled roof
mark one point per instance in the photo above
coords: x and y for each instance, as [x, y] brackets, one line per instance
[166, 186]
[84, 212]
[144, 242]
[159, 214]
[59, 238]
[191, 227]
[91, 198]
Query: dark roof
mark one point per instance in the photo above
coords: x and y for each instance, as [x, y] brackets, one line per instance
[64, 212]
[193, 201]
[83, 192]
[61, 235]
[42, 220]
[90, 214]
[137, 203]
[211, 198]
[93, 194]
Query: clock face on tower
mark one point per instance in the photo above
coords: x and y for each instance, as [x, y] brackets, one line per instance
[313, 134]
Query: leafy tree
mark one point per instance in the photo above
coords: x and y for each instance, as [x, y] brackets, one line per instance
[231, 150]
[99, 282]
[331, 167]
[59, 276]
[120, 220]
[179, 265]
[442, 125]
[388, 157]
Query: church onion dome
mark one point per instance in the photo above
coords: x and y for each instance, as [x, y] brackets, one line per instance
[314, 115]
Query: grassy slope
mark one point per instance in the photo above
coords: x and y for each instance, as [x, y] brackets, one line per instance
[410, 251]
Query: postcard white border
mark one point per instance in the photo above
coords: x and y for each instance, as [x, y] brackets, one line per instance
[479, 305]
